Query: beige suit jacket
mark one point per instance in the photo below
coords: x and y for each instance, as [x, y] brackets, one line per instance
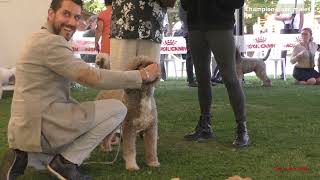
[42, 103]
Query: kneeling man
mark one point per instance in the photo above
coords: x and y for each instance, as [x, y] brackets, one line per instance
[44, 117]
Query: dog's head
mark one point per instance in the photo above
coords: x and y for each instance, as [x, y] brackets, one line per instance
[103, 60]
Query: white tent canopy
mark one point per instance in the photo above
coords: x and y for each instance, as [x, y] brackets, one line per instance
[18, 19]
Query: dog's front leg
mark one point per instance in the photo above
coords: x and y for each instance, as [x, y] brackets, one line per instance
[129, 146]
[105, 145]
[261, 73]
[150, 142]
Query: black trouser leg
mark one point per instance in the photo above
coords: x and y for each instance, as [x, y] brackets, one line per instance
[201, 57]
[163, 69]
[189, 67]
[222, 44]
[189, 63]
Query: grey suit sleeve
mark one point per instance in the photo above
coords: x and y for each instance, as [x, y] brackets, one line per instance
[61, 60]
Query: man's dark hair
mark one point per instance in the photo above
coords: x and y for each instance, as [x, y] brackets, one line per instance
[56, 4]
[107, 2]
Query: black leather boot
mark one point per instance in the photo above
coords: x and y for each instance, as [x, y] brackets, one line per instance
[242, 138]
[202, 131]
[13, 164]
[192, 84]
[64, 169]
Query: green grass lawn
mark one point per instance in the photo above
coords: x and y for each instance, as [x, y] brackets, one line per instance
[283, 121]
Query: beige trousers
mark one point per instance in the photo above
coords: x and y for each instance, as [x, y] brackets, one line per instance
[108, 115]
[122, 50]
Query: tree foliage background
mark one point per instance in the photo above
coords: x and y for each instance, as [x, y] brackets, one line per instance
[94, 6]
[251, 18]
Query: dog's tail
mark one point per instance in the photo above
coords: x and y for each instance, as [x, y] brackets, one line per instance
[267, 55]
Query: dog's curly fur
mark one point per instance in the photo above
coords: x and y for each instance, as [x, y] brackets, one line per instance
[102, 60]
[141, 117]
[238, 178]
[257, 65]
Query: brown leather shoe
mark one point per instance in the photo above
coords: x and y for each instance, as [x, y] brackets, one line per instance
[65, 170]
[13, 164]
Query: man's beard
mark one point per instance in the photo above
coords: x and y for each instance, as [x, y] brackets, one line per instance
[59, 28]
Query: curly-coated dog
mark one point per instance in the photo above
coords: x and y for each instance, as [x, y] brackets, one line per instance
[246, 65]
[140, 118]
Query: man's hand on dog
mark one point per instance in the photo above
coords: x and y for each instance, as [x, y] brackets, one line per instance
[150, 73]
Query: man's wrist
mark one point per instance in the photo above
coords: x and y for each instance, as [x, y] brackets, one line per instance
[143, 75]
[147, 73]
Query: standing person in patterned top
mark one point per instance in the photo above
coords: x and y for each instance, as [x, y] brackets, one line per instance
[136, 29]
[103, 28]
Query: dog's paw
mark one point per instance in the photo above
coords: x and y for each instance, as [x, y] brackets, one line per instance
[153, 164]
[132, 167]
[266, 85]
[105, 148]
